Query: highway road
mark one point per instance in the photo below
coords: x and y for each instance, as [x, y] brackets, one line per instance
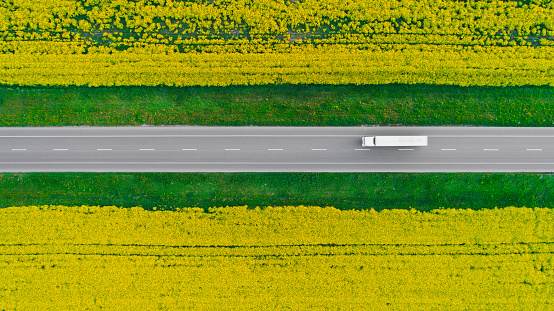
[272, 149]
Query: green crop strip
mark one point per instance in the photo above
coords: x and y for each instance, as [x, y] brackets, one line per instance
[282, 105]
[340, 190]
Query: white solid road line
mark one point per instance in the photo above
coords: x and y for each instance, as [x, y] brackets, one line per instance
[292, 163]
[203, 135]
[255, 135]
[537, 149]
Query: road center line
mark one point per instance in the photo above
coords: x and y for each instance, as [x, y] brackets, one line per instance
[104, 149]
[405, 149]
[60, 149]
[232, 149]
[274, 149]
[19, 149]
[146, 149]
[534, 149]
[362, 149]
[189, 149]
[449, 149]
[320, 149]
[490, 149]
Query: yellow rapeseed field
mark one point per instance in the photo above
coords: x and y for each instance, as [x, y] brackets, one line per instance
[247, 42]
[275, 258]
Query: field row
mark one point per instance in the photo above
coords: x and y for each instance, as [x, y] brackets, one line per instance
[233, 26]
[326, 65]
[174, 252]
[508, 230]
[121, 282]
[301, 257]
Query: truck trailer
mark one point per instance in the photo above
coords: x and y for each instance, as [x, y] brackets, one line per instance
[394, 141]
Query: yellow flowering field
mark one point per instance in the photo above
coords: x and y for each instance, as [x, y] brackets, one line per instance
[275, 258]
[256, 42]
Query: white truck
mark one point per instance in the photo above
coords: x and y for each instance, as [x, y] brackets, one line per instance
[394, 141]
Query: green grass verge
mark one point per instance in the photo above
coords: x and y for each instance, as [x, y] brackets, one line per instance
[341, 190]
[283, 105]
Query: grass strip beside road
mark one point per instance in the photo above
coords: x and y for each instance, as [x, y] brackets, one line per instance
[278, 105]
[379, 191]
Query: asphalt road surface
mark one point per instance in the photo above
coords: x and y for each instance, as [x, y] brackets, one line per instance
[272, 149]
